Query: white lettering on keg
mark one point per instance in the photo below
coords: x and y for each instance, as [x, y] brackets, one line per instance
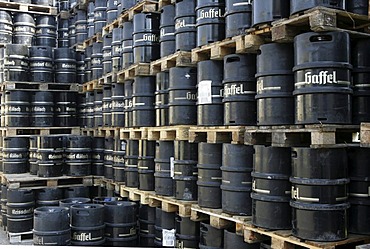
[66, 65]
[13, 155]
[98, 108]
[72, 156]
[234, 89]
[55, 156]
[14, 109]
[84, 237]
[38, 109]
[322, 78]
[150, 37]
[22, 211]
[96, 157]
[107, 54]
[163, 33]
[205, 92]
[261, 87]
[118, 104]
[191, 96]
[108, 157]
[130, 105]
[211, 13]
[296, 196]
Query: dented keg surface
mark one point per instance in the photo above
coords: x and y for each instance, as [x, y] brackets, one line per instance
[271, 187]
[42, 109]
[300, 6]
[15, 155]
[90, 119]
[146, 225]
[107, 106]
[167, 30]
[34, 167]
[65, 65]
[107, 53]
[98, 108]
[112, 10]
[211, 237]
[322, 76]
[187, 232]
[161, 99]
[127, 44]
[238, 17]
[81, 26]
[63, 25]
[358, 6]
[210, 93]
[185, 21]
[319, 193]
[359, 191]
[120, 223]
[17, 108]
[182, 96]
[50, 156]
[117, 49]
[51, 226]
[87, 60]
[97, 156]
[20, 207]
[146, 37]
[46, 31]
[48, 196]
[41, 64]
[146, 165]
[185, 170]
[275, 84]
[108, 157]
[16, 62]
[131, 160]
[118, 105]
[164, 153]
[78, 155]
[6, 27]
[80, 64]
[360, 78]
[87, 224]
[239, 89]
[237, 165]
[209, 175]
[90, 19]
[270, 10]
[100, 15]
[210, 21]
[24, 29]
[143, 112]
[97, 60]
[128, 102]
[66, 109]
[119, 154]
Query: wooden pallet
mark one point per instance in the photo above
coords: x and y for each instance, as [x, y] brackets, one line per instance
[90, 41]
[111, 186]
[134, 133]
[217, 134]
[40, 86]
[320, 19]
[315, 136]
[168, 204]
[252, 43]
[42, 131]
[218, 50]
[365, 134]
[283, 239]
[28, 181]
[107, 29]
[79, 47]
[28, 8]
[91, 86]
[261, 29]
[108, 79]
[92, 132]
[64, 14]
[218, 219]
[162, 3]
[138, 69]
[178, 59]
[109, 131]
[143, 6]
[169, 133]
[20, 238]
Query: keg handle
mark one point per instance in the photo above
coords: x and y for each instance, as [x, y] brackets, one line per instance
[204, 229]
[321, 38]
[294, 154]
[232, 59]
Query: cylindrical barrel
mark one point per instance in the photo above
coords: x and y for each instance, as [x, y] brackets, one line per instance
[65, 109]
[100, 15]
[112, 10]
[17, 108]
[90, 19]
[185, 25]
[80, 67]
[41, 64]
[51, 226]
[146, 37]
[131, 161]
[143, 113]
[119, 154]
[108, 157]
[210, 21]
[32, 158]
[209, 175]
[358, 6]
[42, 109]
[161, 99]
[210, 93]
[187, 232]
[182, 94]
[127, 44]
[73, 201]
[185, 172]
[322, 76]
[78, 155]
[319, 193]
[87, 224]
[24, 29]
[211, 237]
[117, 49]
[72, 36]
[98, 108]
[164, 229]
[300, 6]
[78, 191]
[50, 156]
[275, 84]
[15, 155]
[164, 153]
[20, 206]
[146, 225]
[107, 53]
[63, 33]
[107, 106]
[65, 65]
[239, 89]
[49, 197]
[271, 187]
[118, 105]
[238, 17]
[6, 27]
[237, 165]
[16, 62]
[145, 164]
[87, 60]
[232, 240]
[167, 30]
[97, 60]
[46, 31]
[4, 200]
[90, 119]
[97, 156]
[268, 11]
[128, 101]
[81, 110]
[81, 26]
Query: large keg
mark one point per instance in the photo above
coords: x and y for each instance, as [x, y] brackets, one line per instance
[46, 31]
[185, 21]
[24, 29]
[65, 65]
[42, 109]
[41, 64]
[167, 30]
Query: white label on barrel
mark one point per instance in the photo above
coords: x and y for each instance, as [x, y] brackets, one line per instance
[205, 92]
[168, 237]
[172, 166]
